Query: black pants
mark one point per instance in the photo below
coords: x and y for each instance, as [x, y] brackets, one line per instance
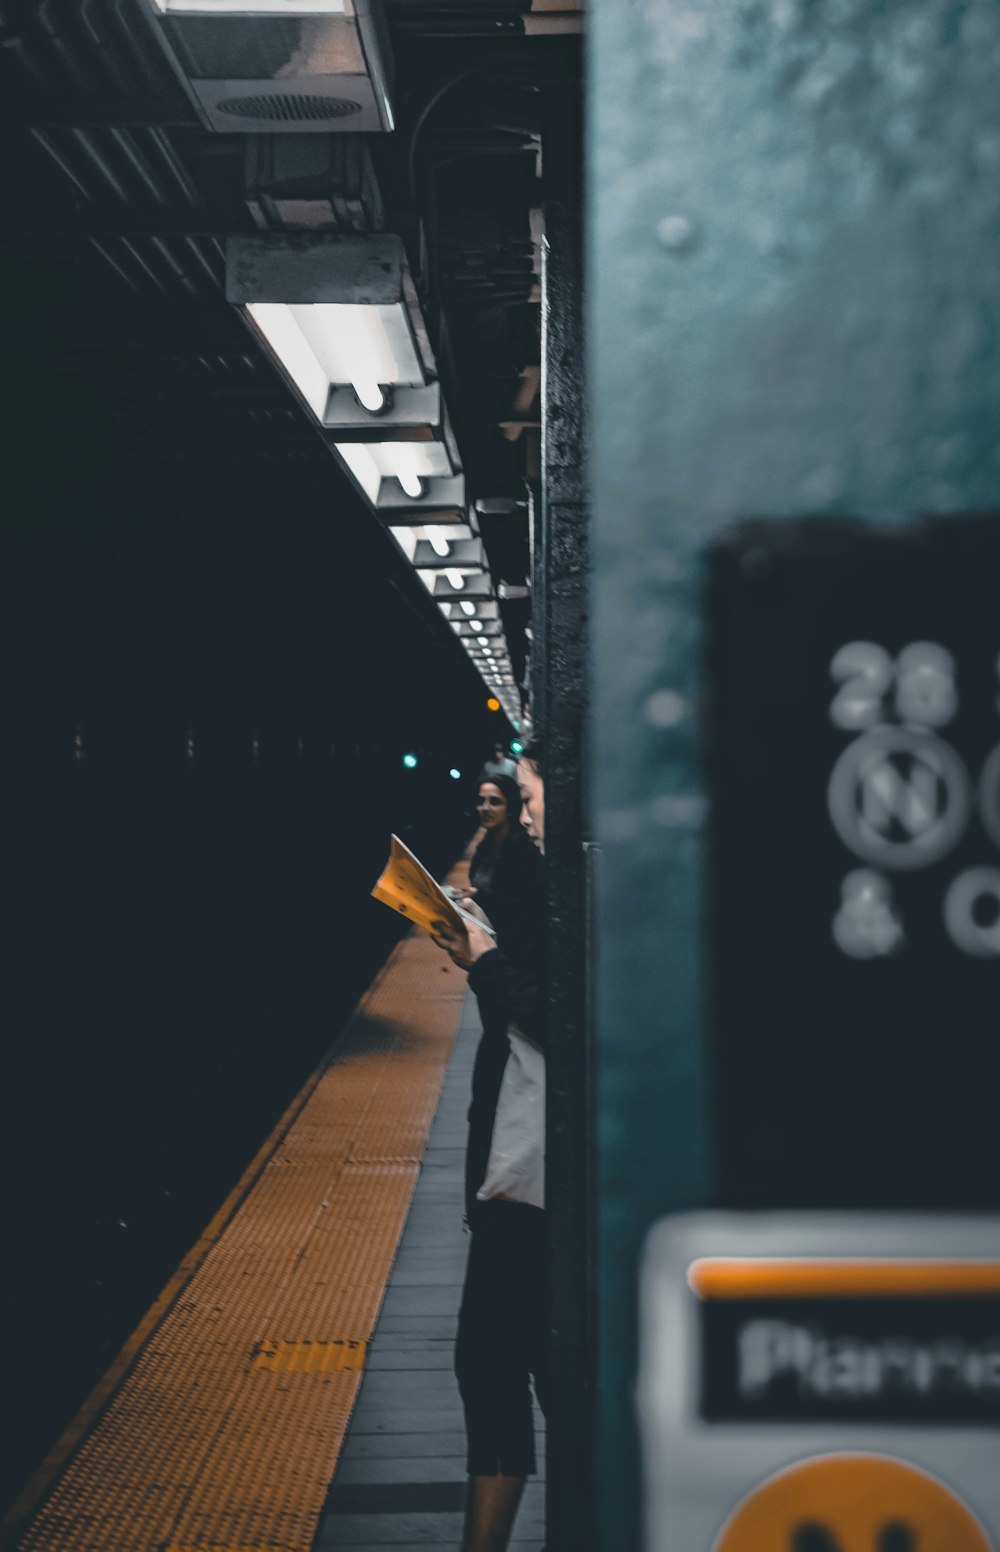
[503, 1337]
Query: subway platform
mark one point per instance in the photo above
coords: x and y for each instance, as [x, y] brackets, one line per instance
[292, 1387]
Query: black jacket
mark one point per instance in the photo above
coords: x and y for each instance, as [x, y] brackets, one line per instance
[509, 890]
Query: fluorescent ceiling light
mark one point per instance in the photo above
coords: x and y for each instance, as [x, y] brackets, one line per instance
[491, 629]
[463, 629]
[363, 466]
[471, 580]
[411, 484]
[469, 639]
[371, 395]
[485, 608]
[458, 579]
[440, 537]
[408, 470]
[437, 538]
[257, 7]
[427, 460]
[323, 345]
[397, 460]
[414, 462]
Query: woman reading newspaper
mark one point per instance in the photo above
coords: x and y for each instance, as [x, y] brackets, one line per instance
[502, 1328]
[504, 869]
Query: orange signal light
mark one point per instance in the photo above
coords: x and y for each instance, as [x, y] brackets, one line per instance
[493, 704]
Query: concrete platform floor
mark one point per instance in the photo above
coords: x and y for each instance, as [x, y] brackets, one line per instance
[401, 1477]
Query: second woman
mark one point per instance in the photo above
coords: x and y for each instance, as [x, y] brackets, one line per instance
[503, 873]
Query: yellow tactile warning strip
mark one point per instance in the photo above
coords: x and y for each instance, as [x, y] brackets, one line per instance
[225, 1432]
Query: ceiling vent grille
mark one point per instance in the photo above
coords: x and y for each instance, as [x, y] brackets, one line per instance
[288, 107]
[323, 67]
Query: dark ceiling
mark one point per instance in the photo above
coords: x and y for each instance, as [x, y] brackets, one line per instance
[133, 385]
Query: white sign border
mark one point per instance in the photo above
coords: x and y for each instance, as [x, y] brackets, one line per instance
[695, 1473]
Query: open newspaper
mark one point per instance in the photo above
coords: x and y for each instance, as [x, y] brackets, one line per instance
[407, 887]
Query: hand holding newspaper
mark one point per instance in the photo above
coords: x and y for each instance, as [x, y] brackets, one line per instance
[406, 886]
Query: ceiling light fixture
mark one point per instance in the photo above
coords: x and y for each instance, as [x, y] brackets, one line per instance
[412, 485]
[325, 344]
[340, 315]
[408, 470]
[466, 580]
[398, 474]
[435, 536]
[255, 7]
[370, 395]
[427, 544]
[280, 66]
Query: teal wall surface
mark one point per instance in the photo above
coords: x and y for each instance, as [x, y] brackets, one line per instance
[793, 310]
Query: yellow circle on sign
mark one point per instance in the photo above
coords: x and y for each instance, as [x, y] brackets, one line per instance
[852, 1503]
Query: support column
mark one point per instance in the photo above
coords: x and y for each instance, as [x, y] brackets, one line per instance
[561, 600]
[794, 302]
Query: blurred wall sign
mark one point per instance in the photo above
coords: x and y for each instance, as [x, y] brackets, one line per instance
[853, 753]
[821, 1383]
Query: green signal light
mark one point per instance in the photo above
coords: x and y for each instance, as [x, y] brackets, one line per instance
[516, 747]
[410, 761]
[455, 774]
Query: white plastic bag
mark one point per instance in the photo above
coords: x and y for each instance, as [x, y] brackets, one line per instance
[516, 1168]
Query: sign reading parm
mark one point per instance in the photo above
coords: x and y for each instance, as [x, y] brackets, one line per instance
[883, 1360]
[879, 1341]
[852, 1503]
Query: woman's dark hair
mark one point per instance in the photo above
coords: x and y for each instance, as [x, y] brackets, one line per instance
[534, 753]
[511, 791]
